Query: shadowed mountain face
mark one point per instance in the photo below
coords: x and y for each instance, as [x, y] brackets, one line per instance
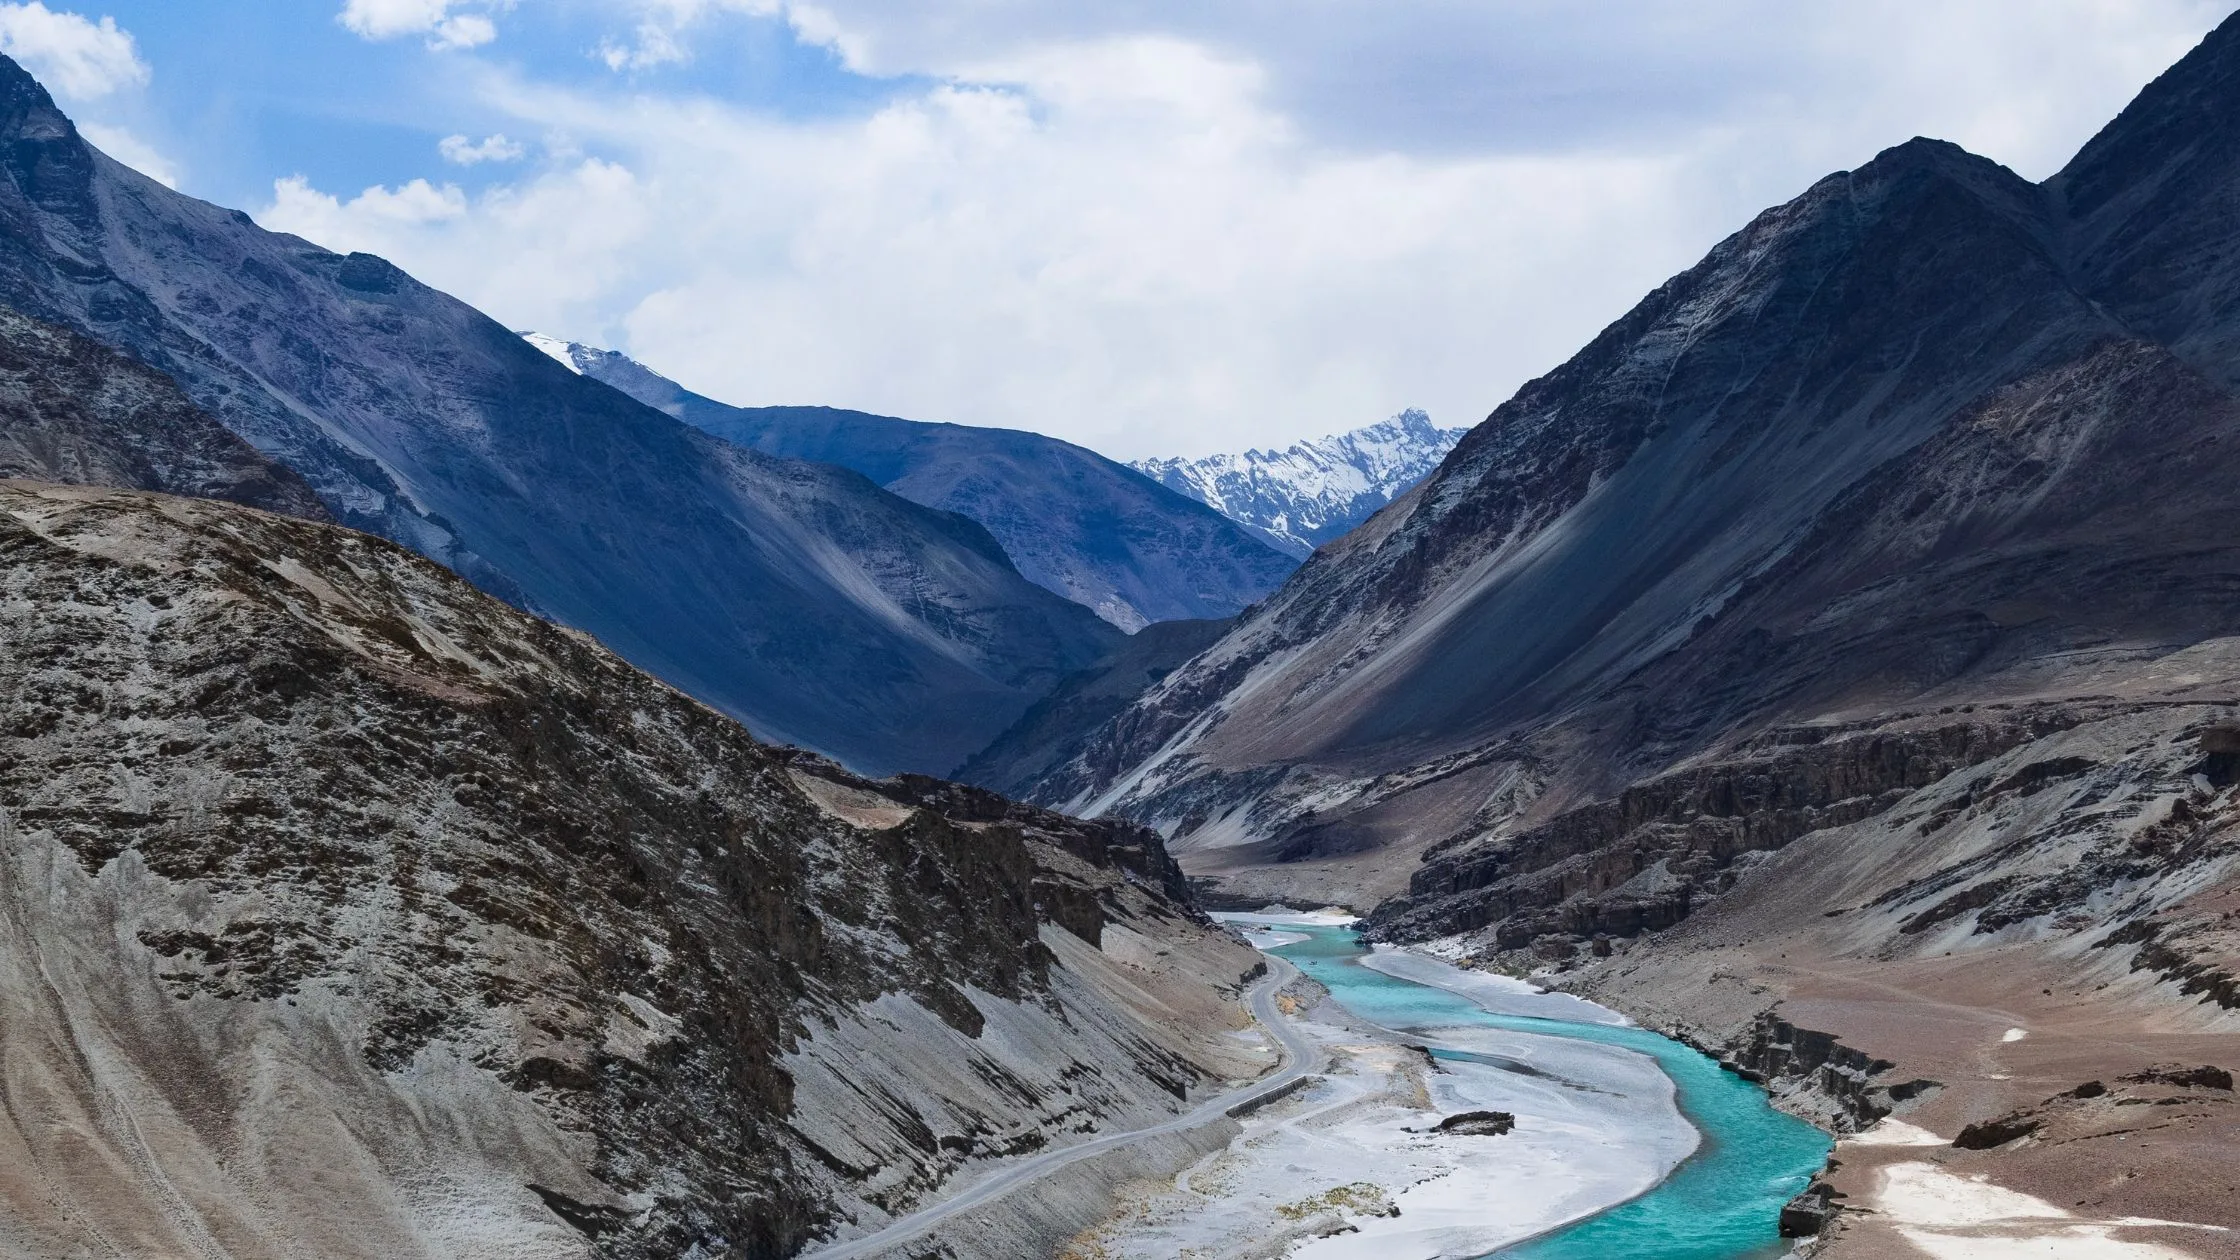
[1929, 435]
[1097, 532]
[802, 599]
[72, 410]
[1059, 726]
[1310, 493]
[348, 912]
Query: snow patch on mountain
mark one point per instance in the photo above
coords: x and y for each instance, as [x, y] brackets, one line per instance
[564, 351]
[1311, 492]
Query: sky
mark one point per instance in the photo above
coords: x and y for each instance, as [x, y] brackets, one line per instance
[1152, 228]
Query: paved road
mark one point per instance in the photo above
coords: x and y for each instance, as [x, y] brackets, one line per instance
[1299, 1058]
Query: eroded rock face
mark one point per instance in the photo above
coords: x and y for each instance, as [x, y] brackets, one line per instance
[74, 411]
[350, 912]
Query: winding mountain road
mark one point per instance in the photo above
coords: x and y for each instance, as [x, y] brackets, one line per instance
[1300, 1057]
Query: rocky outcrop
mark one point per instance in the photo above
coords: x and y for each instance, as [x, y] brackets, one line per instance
[1809, 1213]
[1477, 1124]
[350, 912]
[1637, 864]
[1815, 1074]
[72, 410]
[801, 599]
[1096, 532]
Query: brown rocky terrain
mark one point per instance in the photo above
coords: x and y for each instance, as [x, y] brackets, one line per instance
[350, 912]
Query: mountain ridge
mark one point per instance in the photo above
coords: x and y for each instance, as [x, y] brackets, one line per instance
[801, 599]
[1832, 665]
[1084, 527]
[1313, 491]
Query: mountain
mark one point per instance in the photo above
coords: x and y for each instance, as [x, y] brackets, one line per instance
[73, 410]
[1834, 663]
[346, 911]
[1074, 522]
[799, 598]
[1059, 726]
[1526, 602]
[1309, 493]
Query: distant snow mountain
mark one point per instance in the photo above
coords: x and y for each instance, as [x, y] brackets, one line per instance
[1305, 495]
[1097, 532]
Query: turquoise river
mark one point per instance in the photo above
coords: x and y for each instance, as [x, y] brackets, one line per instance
[1721, 1203]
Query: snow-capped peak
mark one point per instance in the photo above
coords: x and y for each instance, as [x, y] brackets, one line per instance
[1311, 492]
[564, 351]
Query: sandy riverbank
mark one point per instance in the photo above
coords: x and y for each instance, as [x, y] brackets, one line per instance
[1348, 1170]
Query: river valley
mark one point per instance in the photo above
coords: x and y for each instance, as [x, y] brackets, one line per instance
[1625, 1143]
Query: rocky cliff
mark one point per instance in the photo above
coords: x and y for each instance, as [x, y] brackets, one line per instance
[350, 912]
[1097, 532]
[72, 410]
[803, 600]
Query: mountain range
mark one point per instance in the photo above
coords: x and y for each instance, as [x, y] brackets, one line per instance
[798, 597]
[1310, 493]
[1074, 522]
[1834, 665]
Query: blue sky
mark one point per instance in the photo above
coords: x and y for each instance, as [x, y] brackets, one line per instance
[1152, 227]
[242, 92]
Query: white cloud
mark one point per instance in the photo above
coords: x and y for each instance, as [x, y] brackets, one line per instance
[468, 30]
[560, 244]
[388, 19]
[361, 222]
[76, 57]
[460, 151]
[134, 152]
[1152, 241]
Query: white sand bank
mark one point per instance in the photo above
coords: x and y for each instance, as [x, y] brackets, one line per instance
[1503, 995]
[1952, 1217]
[1317, 1176]
[1329, 916]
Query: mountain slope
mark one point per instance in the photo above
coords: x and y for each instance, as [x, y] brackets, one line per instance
[803, 600]
[1059, 725]
[1312, 492]
[72, 410]
[1834, 664]
[1595, 520]
[1074, 522]
[349, 912]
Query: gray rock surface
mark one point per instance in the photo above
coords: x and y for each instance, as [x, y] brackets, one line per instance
[346, 911]
[72, 410]
[801, 599]
[1097, 532]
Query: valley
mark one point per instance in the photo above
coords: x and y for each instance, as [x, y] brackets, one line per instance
[1771, 789]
